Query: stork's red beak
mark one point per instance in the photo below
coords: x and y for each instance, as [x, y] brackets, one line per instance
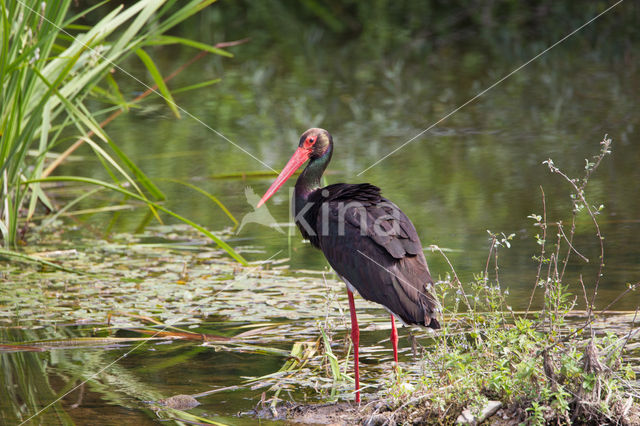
[297, 159]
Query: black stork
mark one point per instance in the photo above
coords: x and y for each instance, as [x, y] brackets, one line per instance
[370, 243]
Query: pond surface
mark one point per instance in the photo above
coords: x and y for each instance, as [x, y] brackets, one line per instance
[163, 314]
[479, 169]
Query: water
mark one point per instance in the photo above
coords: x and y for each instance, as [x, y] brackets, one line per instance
[480, 168]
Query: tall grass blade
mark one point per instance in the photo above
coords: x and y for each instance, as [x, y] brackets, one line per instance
[227, 248]
[50, 63]
[165, 40]
[33, 259]
[208, 195]
[197, 86]
[157, 77]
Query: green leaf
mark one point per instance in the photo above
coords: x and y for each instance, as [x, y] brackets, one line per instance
[197, 86]
[166, 40]
[333, 361]
[157, 77]
[226, 247]
[116, 91]
[206, 194]
[26, 257]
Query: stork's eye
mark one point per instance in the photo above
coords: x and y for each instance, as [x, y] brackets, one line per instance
[308, 143]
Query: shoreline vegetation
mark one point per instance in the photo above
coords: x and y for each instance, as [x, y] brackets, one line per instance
[530, 367]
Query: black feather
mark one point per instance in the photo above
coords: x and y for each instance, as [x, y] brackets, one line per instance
[374, 246]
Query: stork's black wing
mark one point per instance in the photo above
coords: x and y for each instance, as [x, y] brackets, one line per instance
[374, 246]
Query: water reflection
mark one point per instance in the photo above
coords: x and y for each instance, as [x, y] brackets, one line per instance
[480, 169]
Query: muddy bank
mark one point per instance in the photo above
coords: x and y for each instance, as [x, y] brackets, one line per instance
[341, 413]
[379, 413]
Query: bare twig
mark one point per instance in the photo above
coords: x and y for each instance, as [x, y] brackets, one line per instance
[579, 193]
[570, 245]
[486, 268]
[543, 226]
[495, 254]
[455, 275]
[212, 391]
[632, 332]
[588, 306]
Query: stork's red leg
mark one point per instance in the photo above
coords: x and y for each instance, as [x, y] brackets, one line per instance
[355, 337]
[394, 339]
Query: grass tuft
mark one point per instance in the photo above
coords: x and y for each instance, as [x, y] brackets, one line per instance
[542, 366]
[50, 65]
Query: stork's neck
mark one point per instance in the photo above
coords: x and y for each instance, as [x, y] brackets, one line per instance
[310, 178]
